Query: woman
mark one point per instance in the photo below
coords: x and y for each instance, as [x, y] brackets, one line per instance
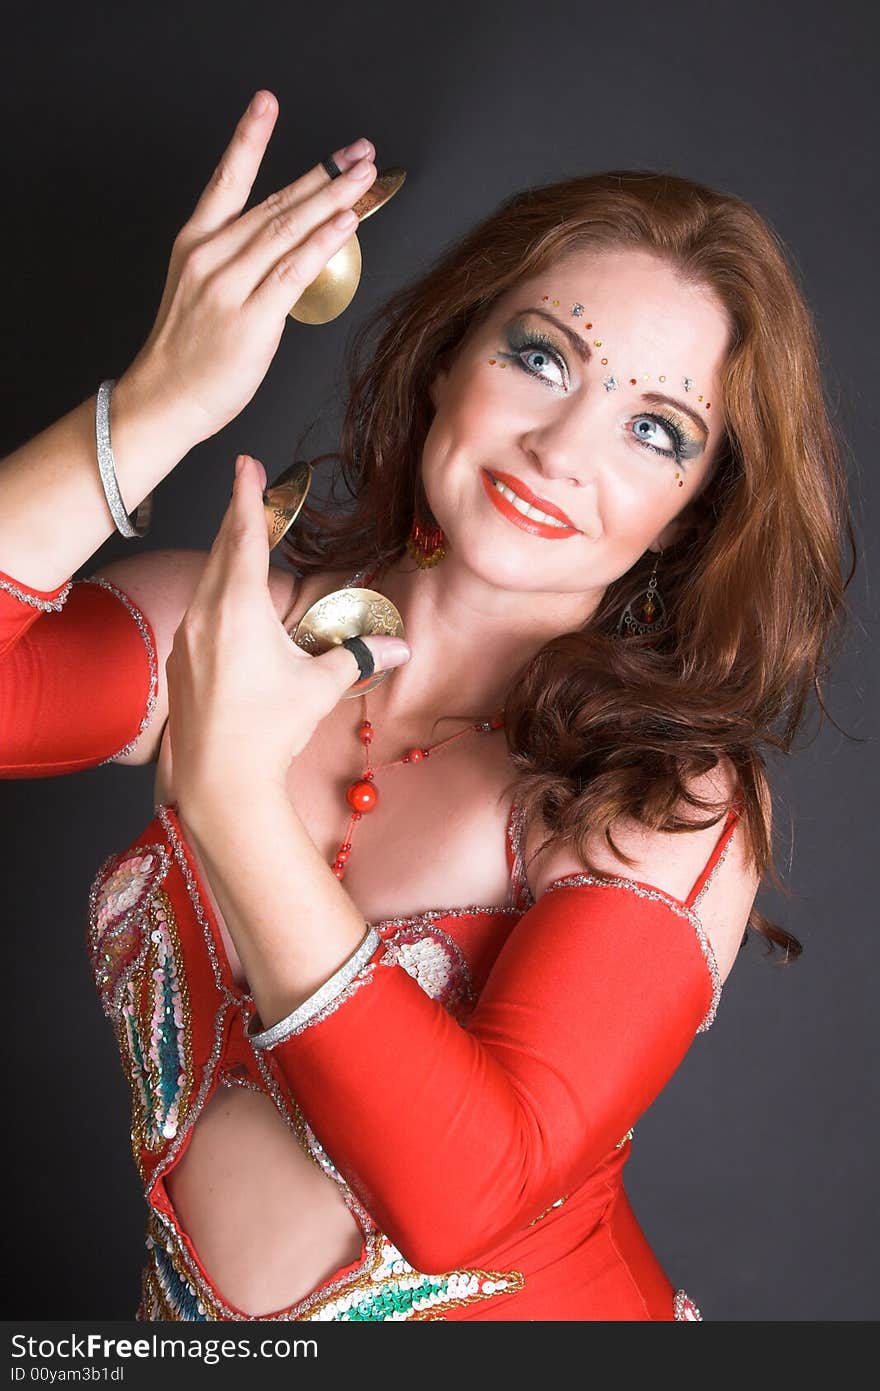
[579, 439]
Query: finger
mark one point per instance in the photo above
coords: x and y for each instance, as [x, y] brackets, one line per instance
[235, 233]
[344, 670]
[293, 248]
[230, 185]
[248, 251]
[240, 552]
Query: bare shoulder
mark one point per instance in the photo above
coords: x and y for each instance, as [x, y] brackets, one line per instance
[161, 584]
[671, 862]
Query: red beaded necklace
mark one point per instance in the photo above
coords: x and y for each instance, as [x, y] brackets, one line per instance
[362, 796]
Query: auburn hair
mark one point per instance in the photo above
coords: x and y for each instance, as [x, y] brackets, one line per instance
[600, 726]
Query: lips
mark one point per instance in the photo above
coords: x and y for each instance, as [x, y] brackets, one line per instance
[517, 486]
[548, 530]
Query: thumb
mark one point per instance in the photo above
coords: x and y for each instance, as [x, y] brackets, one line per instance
[386, 652]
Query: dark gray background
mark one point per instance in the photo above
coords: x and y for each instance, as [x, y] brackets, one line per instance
[754, 1175]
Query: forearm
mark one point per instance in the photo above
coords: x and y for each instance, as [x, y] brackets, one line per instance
[53, 512]
[291, 921]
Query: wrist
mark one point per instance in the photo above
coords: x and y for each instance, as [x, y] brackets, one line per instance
[216, 802]
[145, 410]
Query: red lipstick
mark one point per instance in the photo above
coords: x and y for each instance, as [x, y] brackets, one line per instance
[529, 524]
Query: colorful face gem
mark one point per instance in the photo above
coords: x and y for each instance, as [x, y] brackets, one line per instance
[577, 311]
[492, 361]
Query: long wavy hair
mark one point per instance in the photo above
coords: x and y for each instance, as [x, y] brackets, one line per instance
[601, 727]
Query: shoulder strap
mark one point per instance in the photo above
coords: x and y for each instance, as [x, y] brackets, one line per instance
[716, 859]
[521, 894]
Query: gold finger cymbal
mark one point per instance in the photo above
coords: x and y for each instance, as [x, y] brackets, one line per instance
[333, 290]
[348, 613]
[284, 498]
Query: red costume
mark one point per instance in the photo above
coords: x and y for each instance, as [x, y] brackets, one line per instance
[471, 1084]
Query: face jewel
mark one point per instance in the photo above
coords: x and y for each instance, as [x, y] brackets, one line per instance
[577, 310]
[688, 383]
[610, 383]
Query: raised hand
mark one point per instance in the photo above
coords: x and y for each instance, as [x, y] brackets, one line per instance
[234, 277]
[244, 700]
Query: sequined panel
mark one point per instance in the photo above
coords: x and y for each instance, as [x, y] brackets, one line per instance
[135, 952]
[386, 1288]
[684, 1307]
[118, 901]
[154, 1031]
[436, 962]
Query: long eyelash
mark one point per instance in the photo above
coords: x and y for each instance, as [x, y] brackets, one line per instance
[524, 342]
[521, 343]
[674, 429]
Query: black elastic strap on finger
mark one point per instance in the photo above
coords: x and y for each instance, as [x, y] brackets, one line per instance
[362, 655]
[332, 167]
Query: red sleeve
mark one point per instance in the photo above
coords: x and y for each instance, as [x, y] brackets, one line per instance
[78, 676]
[456, 1136]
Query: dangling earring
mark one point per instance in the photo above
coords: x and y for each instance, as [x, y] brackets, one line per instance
[425, 544]
[646, 611]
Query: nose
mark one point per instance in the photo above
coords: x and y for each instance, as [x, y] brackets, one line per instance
[559, 447]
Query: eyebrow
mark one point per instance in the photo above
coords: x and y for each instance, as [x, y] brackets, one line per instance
[585, 354]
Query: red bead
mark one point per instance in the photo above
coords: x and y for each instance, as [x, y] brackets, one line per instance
[342, 856]
[415, 755]
[369, 775]
[339, 871]
[365, 733]
[362, 796]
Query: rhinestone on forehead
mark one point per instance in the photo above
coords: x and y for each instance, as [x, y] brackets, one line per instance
[577, 311]
[611, 383]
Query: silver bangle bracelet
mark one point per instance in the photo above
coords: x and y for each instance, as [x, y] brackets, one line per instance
[107, 470]
[337, 983]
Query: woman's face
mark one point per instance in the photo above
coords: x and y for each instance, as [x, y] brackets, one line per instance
[565, 407]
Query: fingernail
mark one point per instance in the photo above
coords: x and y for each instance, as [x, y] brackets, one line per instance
[239, 464]
[358, 149]
[395, 653]
[258, 105]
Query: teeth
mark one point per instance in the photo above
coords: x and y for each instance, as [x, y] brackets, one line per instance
[526, 508]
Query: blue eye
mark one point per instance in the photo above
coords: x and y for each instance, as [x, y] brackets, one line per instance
[645, 430]
[542, 359]
[545, 356]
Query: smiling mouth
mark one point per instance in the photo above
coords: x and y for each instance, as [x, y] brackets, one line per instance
[523, 514]
[528, 509]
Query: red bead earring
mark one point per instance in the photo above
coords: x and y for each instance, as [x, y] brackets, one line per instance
[426, 544]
